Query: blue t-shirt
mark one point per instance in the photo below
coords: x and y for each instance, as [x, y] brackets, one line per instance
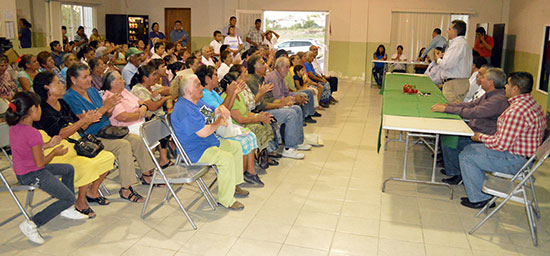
[379, 57]
[176, 35]
[79, 104]
[211, 98]
[187, 119]
[309, 67]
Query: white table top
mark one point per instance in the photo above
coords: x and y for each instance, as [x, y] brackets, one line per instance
[401, 62]
[426, 125]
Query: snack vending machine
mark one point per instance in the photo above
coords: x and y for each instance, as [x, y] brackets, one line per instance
[126, 29]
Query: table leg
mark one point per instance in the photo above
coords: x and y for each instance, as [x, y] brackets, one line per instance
[405, 179]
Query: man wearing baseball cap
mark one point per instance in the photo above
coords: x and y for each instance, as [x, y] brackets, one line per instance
[134, 60]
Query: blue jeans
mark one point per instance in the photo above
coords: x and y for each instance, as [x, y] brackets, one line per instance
[293, 119]
[307, 109]
[63, 190]
[476, 159]
[450, 155]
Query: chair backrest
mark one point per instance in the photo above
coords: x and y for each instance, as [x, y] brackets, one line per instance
[181, 151]
[4, 135]
[543, 150]
[5, 140]
[153, 131]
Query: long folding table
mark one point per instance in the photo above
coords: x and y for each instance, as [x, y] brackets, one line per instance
[412, 115]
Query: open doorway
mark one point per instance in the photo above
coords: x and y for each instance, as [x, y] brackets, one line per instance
[299, 30]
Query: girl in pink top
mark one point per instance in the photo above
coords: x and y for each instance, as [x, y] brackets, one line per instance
[32, 167]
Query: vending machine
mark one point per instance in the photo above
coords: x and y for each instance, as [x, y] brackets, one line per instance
[126, 29]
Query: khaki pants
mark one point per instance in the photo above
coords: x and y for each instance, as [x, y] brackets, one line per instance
[125, 150]
[455, 90]
[228, 157]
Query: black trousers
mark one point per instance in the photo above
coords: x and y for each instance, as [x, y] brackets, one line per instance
[333, 83]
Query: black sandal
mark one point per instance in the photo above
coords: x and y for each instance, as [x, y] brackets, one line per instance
[132, 197]
[144, 182]
[99, 200]
[273, 162]
[170, 163]
[87, 212]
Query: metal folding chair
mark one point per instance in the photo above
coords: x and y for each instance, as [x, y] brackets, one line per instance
[515, 190]
[182, 156]
[5, 142]
[152, 132]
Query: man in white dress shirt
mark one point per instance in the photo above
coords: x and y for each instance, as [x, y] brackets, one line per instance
[206, 58]
[475, 84]
[456, 63]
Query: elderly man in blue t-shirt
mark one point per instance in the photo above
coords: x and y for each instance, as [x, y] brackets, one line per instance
[194, 123]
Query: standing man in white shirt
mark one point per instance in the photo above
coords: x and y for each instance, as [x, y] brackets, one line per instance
[456, 63]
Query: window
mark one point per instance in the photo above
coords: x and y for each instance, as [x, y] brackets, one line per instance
[284, 45]
[74, 16]
[462, 17]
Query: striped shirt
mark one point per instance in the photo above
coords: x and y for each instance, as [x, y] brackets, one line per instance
[520, 127]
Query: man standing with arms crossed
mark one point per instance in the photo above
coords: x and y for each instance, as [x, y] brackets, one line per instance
[456, 63]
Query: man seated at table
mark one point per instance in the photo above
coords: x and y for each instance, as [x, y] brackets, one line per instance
[519, 133]
[482, 113]
[475, 85]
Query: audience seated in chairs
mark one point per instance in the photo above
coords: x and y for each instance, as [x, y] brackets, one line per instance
[82, 97]
[33, 168]
[248, 141]
[194, 125]
[58, 120]
[283, 110]
[30, 67]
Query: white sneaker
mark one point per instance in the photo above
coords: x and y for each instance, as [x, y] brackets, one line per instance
[292, 153]
[71, 213]
[304, 147]
[30, 230]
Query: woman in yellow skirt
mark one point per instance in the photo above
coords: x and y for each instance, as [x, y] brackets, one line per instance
[58, 120]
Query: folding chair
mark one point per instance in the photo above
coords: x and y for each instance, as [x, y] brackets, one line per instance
[515, 189]
[152, 132]
[182, 156]
[5, 142]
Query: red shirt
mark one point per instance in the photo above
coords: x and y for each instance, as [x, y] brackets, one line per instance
[520, 127]
[480, 48]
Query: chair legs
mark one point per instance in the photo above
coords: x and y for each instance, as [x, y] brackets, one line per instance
[206, 194]
[535, 202]
[171, 190]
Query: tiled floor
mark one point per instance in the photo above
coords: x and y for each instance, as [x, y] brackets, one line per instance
[328, 204]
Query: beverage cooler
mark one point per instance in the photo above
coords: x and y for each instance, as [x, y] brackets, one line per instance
[126, 29]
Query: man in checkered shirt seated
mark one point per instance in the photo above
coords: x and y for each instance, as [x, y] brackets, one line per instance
[519, 133]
